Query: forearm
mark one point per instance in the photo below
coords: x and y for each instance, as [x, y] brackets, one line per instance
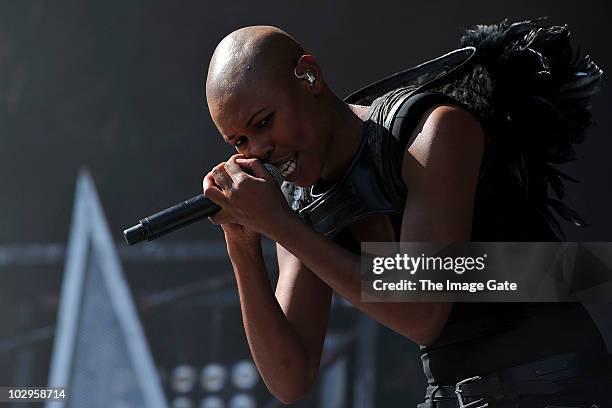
[276, 348]
[340, 269]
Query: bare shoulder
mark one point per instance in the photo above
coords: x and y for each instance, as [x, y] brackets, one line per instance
[447, 139]
[440, 170]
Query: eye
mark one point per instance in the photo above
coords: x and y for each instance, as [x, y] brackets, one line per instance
[265, 121]
[239, 142]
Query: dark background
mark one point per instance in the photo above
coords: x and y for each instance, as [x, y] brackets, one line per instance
[117, 87]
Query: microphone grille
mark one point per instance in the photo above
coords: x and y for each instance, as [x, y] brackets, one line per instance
[275, 173]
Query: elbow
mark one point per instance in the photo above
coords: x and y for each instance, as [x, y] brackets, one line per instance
[433, 325]
[289, 399]
[427, 339]
[295, 387]
[291, 394]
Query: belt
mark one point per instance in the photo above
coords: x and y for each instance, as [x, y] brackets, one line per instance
[539, 377]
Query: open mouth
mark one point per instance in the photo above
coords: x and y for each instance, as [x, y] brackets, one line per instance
[287, 168]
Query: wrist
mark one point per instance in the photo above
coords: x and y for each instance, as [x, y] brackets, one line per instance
[286, 226]
[251, 243]
[245, 256]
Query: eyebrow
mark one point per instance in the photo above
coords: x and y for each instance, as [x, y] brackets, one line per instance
[229, 139]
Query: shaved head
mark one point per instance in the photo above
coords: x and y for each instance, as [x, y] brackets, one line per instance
[264, 111]
[251, 55]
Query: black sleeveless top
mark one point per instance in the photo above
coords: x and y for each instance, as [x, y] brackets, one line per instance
[481, 338]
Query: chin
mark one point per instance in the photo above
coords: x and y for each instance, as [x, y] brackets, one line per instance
[307, 174]
[306, 180]
[303, 181]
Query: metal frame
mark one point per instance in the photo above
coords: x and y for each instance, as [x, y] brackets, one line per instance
[90, 239]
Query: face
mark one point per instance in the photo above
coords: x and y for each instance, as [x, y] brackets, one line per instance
[278, 122]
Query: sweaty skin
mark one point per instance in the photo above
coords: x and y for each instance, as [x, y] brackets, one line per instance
[269, 115]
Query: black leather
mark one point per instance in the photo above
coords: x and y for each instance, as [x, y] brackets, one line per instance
[423, 76]
[370, 185]
[357, 195]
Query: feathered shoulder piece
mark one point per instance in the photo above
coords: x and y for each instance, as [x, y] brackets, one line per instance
[526, 85]
[532, 93]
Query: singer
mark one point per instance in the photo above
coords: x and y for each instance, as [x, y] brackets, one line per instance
[448, 171]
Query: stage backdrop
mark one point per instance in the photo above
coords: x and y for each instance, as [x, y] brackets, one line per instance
[118, 87]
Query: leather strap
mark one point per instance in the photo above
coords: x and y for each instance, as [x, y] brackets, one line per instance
[534, 378]
[497, 389]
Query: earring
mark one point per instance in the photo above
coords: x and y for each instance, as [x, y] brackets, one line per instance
[307, 75]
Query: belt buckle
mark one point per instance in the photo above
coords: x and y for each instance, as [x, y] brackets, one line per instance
[458, 391]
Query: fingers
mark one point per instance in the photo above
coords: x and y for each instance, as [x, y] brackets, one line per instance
[222, 179]
[256, 167]
[234, 169]
[212, 191]
[238, 164]
[214, 194]
[227, 184]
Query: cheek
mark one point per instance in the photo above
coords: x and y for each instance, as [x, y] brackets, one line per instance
[293, 132]
[298, 131]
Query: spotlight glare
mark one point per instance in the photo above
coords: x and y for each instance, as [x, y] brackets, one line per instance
[182, 402]
[242, 400]
[244, 375]
[213, 377]
[212, 401]
[183, 378]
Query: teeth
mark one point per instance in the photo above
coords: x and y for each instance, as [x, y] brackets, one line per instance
[288, 172]
[288, 168]
[287, 163]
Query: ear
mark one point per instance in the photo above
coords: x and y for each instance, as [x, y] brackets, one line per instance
[308, 64]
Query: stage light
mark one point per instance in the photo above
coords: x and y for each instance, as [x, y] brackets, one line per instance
[245, 375]
[242, 401]
[213, 377]
[182, 402]
[212, 401]
[183, 378]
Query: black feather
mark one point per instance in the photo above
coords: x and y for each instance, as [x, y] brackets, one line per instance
[533, 91]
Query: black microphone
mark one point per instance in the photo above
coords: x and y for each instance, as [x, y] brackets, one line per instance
[179, 215]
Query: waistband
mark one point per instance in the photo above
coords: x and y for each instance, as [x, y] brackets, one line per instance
[541, 377]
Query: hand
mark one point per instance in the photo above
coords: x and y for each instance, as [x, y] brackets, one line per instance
[252, 204]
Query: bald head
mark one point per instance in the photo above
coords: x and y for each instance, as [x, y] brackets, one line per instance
[263, 111]
[250, 56]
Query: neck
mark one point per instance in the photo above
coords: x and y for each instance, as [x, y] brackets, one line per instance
[346, 137]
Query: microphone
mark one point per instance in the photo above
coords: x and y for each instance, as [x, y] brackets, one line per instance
[179, 215]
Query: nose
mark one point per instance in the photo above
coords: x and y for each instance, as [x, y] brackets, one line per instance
[261, 148]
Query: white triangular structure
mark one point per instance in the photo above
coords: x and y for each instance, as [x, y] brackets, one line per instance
[100, 354]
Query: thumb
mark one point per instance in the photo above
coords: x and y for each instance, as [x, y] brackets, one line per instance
[256, 167]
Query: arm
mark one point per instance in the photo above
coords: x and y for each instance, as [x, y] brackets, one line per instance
[440, 169]
[285, 333]
[306, 302]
